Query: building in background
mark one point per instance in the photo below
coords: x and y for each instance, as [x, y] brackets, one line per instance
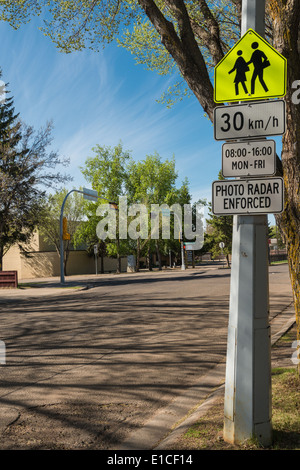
[41, 260]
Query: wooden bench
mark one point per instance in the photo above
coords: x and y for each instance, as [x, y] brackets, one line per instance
[8, 279]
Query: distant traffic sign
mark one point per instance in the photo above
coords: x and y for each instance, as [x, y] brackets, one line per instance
[248, 158]
[252, 196]
[249, 120]
[251, 70]
[190, 246]
[90, 194]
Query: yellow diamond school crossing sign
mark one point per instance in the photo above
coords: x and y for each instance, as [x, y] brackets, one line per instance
[251, 70]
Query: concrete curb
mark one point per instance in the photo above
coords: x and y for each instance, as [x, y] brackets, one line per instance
[164, 420]
[192, 419]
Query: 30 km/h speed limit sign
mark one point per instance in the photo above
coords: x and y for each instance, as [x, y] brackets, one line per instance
[248, 158]
[253, 120]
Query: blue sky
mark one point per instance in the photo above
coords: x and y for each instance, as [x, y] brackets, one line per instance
[102, 98]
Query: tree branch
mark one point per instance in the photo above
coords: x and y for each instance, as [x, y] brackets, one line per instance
[183, 48]
[211, 39]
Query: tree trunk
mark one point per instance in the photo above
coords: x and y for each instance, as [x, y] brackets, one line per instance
[1, 258]
[286, 16]
[101, 263]
[137, 255]
[149, 262]
[102, 252]
[158, 255]
[184, 49]
[118, 257]
[227, 260]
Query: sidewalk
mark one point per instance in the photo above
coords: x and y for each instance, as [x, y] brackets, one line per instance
[52, 285]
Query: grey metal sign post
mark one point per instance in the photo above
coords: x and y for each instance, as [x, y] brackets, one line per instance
[247, 405]
[96, 256]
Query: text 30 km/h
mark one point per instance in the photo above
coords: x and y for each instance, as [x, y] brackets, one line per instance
[243, 121]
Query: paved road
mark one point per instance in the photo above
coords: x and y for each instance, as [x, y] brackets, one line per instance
[85, 368]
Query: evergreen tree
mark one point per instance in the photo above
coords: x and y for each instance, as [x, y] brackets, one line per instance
[219, 229]
[23, 161]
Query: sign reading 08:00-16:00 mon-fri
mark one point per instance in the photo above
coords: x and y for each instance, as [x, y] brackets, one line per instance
[251, 70]
[248, 158]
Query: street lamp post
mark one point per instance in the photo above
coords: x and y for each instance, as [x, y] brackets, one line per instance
[88, 194]
[182, 256]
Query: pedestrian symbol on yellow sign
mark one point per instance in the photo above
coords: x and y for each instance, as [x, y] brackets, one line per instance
[241, 68]
[251, 70]
[260, 62]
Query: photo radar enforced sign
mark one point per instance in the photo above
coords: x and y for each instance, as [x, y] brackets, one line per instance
[251, 70]
[252, 196]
